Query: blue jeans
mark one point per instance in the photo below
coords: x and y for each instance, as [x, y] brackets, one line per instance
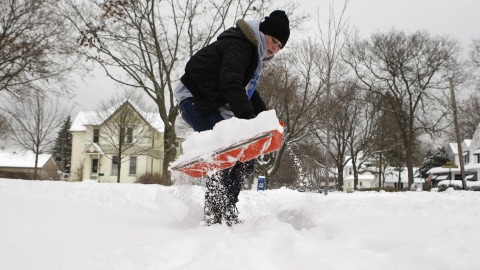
[232, 178]
[194, 119]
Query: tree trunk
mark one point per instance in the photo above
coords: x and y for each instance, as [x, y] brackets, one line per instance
[120, 149]
[170, 152]
[119, 170]
[36, 167]
[355, 174]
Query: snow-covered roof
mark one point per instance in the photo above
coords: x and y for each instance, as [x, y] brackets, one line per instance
[458, 183]
[437, 170]
[22, 159]
[93, 118]
[472, 166]
[454, 148]
[441, 177]
[84, 119]
[366, 177]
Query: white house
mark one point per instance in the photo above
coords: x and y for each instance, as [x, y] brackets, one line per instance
[399, 179]
[365, 180]
[96, 144]
[391, 177]
[471, 158]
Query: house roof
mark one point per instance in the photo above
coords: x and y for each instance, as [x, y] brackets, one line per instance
[453, 148]
[94, 118]
[22, 159]
[84, 119]
[472, 166]
[366, 177]
[437, 170]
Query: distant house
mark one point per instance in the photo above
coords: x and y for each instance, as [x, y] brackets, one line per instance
[471, 159]
[94, 145]
[399, 179]
[370, 178]
[365, 180]
[21, 165]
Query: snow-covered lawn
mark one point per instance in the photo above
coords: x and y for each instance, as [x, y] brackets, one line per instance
[88, 225]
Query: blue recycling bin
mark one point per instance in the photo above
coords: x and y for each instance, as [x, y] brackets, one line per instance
[261, 183]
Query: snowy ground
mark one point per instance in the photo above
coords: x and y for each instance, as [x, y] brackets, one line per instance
[88, 225]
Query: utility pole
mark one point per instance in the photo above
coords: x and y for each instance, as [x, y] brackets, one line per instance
[457, 133]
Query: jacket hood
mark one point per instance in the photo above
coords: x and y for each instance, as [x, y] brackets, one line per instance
[245, 30]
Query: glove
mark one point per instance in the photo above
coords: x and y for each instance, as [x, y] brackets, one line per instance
[247, 115]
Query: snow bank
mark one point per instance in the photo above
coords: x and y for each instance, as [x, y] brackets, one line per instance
[90, 225]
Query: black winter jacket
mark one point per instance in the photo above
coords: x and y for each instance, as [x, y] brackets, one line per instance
[219, 73]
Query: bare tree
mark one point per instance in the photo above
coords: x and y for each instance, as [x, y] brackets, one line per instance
[475, 52]
[410, 72]
[34, 122]
[127, 129]
[34, 47]
[331, 42]
[290, 86]
[384, 147]
[469, 112]
[353, 124]
[149, 42]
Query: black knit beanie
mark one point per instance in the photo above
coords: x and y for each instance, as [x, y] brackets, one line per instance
[277, 26]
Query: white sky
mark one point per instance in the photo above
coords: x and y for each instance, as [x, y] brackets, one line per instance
[459, 19]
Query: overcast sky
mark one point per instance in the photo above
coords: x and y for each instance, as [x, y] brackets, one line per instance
[459, 19]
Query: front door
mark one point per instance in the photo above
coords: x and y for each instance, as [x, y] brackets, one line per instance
[94, 172]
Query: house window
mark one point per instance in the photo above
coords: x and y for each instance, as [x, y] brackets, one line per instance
[115, 165]
[466, 158]
[128, 134]
[133, 165]
[96, 135]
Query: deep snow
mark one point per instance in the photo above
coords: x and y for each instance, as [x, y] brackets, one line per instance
[90, 225]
